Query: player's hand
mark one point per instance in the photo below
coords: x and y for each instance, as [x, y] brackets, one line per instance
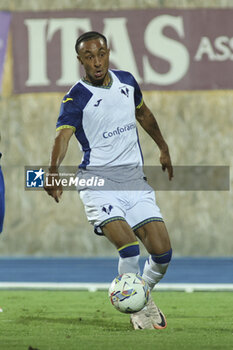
[166, 163]
[53, 186]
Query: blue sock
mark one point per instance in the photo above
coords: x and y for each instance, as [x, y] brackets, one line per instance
[156, 267]
[129, 258]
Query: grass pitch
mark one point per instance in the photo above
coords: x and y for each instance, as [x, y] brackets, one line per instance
[70, 320]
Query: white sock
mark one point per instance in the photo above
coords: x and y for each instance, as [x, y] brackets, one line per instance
[130, 264]
[153, 272]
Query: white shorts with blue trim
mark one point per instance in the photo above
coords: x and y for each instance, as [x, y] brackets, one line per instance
[135, 207]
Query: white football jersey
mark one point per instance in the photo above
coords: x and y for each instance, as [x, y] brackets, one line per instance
[103, 120]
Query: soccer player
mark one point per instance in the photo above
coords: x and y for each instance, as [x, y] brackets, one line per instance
[2, 196]
[101, 110]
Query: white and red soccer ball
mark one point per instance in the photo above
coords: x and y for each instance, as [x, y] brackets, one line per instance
[129, 293]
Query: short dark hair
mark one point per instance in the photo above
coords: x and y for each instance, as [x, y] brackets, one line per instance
[89, 36]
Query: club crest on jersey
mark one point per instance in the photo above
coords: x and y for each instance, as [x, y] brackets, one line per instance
[107, 208]
[125, 91]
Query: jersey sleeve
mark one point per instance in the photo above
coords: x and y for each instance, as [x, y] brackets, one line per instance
[69, 115]
[138, 99]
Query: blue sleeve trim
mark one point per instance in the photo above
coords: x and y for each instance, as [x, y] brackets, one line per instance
[73, 105]
[71, 113]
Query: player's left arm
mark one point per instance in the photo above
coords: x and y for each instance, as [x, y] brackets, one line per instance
[148, 122]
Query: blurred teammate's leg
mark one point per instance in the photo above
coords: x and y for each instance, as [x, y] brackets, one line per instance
[2, 200]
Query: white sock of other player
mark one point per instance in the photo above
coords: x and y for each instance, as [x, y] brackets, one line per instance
[129, 258]
[156, 267]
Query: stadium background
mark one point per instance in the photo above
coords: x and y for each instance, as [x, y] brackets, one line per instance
[196, 124]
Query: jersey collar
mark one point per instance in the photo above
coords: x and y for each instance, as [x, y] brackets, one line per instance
[100, 86]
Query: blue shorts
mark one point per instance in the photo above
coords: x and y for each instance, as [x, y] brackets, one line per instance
[2, 200]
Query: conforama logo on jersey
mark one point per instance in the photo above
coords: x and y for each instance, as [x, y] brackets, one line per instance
[119, 130]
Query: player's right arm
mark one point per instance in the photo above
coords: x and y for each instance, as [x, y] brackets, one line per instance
[59, 150]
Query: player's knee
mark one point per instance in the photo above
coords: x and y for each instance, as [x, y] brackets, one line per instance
[164, 258]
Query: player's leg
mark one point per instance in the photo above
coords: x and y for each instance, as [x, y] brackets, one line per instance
[148, 225]
[107, 214]
[2, 200]
[155, 238]
[147, 222]
[122, 236]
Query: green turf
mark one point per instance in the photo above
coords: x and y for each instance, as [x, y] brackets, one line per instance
[52, 320]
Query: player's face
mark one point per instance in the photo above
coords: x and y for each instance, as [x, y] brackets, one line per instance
[94, 56]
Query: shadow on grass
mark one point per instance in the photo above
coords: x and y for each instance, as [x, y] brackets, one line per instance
[102, 323]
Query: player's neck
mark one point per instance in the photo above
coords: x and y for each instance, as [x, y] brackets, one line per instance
[107, 81]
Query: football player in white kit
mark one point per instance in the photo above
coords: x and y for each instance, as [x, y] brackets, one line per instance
[101, 110]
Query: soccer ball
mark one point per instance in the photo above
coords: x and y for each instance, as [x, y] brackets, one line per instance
[129, 293]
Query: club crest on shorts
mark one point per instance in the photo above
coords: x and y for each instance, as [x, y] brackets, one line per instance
[107, 208]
